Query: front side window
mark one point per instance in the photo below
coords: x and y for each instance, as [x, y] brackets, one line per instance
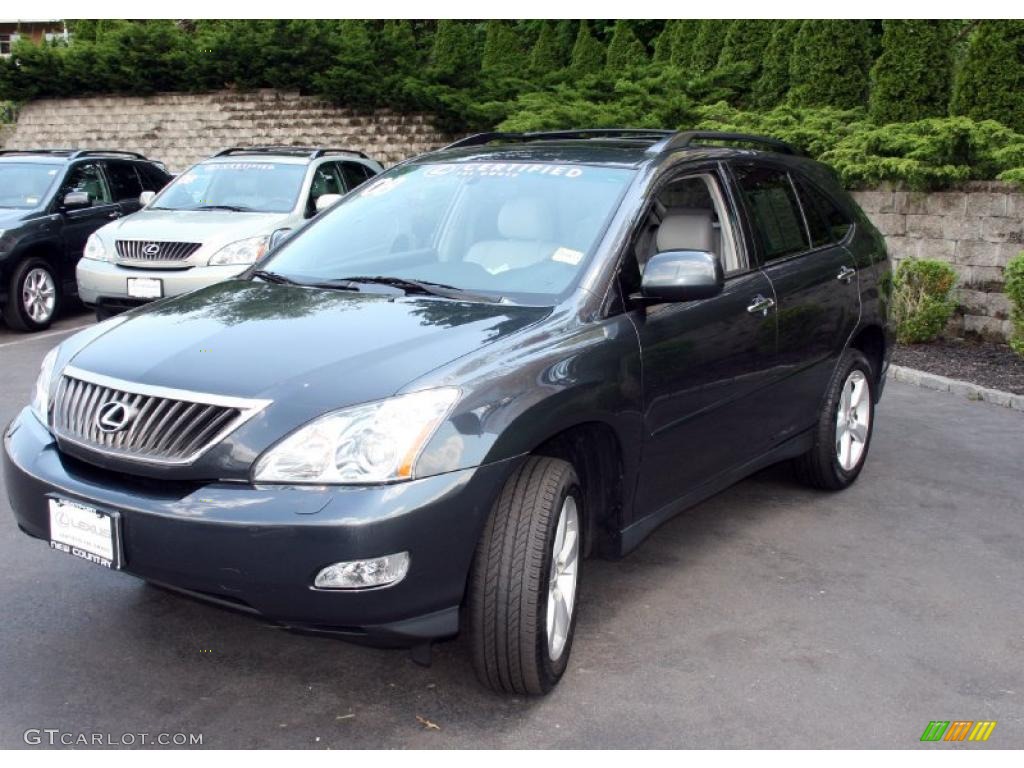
[25, 185]
[256, 186]
[88, 178]
[774, 211]
[518, 230]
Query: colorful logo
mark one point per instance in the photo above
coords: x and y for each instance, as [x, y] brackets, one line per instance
[958, 730]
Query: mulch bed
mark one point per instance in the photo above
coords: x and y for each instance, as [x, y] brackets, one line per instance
[983, 363]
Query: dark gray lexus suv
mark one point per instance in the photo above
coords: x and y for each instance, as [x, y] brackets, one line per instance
[422, 411]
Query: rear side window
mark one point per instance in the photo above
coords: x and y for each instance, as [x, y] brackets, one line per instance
[774, 211]
[354, 174]
[153, 179]
[825, 219]
[124, 181]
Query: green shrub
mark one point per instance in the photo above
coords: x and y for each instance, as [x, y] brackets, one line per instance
[548, 55]
[922, 300]
[587, 52]
[990, 83]
[503, 54]
[912, 78]
[683, 35]
[625, 50]
[829, 65]
[745, 43]
[773, 84]
[708, 39]
[1014, 289]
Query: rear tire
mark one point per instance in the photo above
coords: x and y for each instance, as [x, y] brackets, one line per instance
[523, 590]
[33, 297]
[843, 433]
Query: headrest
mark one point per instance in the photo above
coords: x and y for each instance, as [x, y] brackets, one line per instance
[689, 231]
[525, 218]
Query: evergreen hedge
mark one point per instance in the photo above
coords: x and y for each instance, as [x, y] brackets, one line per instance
[805, 81]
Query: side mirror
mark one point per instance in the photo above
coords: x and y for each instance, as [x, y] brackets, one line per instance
[278, 237]
[76, 200]
[682, 276]
[326, 201]
[146, 197]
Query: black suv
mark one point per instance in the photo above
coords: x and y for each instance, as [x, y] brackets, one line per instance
[425, 409]
[51, 200]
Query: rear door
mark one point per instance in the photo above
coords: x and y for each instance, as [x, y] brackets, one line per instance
[125, 185]
[801, 247]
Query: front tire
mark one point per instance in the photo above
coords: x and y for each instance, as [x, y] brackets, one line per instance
[524, 584]
[843, 434]
[33, 297]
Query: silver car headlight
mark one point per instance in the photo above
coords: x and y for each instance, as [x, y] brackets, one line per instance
[371, 443]
[247, 251]
[95, 250]
[41, 394]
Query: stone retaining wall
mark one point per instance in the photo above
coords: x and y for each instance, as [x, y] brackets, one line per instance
[181, 128]
[977, 227]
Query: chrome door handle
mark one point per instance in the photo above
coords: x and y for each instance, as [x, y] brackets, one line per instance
[760, 304]
[846, 274]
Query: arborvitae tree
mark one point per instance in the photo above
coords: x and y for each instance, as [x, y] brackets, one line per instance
[547, 55]
[707, 44]
[353, 77]
[911, 79]
[829, 66]
[683, 35]
[502, 52]
[587, 53]
[663, 45]
[772, 86]
[745, 43]
[625, 50]
[454, 58]
[990, 83]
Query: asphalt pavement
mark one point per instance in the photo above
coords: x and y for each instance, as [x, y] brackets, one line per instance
[769, 616]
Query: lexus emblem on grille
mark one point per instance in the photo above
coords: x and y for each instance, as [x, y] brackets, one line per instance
[113, 416]
[152, 249]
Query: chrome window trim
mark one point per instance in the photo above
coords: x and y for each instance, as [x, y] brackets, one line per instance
[248, 408]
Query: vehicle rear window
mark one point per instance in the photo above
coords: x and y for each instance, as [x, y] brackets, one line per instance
[774, 210]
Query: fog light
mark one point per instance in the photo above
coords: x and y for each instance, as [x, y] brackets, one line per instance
[362, 574]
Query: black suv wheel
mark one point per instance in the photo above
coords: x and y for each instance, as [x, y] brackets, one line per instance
[843, 434]
[33, 297]
[524, 585]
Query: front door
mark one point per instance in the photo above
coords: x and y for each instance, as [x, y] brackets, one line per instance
[703, 361]
[801, 234]
[82, 222]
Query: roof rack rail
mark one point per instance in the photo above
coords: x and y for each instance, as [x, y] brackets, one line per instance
[37, 151]
[123, 152]
[284, 149]
[479, 139]
[685, 139]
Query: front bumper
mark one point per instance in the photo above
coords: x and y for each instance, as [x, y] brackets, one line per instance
[103, 282]
[258, 548]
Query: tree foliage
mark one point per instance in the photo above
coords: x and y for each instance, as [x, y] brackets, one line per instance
[625, 50]
[911, 79]
[990, 83]
[588, 55]
[829, 65]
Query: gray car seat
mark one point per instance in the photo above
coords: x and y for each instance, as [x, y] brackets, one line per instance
[528, 230]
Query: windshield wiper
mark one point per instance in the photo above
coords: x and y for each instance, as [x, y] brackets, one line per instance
[236, 208]
[423, 287]
[274, 277]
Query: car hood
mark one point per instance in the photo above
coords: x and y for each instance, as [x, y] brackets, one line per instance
[12, 217]
[308, 350]
[205, 227]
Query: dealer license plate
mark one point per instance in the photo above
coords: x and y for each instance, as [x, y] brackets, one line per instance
[84, 532]
[145, 287]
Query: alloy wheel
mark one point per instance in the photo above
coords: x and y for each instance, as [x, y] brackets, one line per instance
[565, 555]
[39, 295]
[853, 420]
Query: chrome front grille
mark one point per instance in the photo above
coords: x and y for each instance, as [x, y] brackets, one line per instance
[161, 425]
[154, 250]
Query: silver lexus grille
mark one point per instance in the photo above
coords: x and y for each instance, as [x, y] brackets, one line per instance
[149, 424]
[154, 250]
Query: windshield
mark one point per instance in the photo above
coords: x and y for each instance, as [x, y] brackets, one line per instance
[520, 230]
[244, 186]
[24, 185]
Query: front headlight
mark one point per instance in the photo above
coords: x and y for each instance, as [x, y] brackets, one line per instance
[372, 443]
[95, 250]
[246, 251]
[41, 394]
